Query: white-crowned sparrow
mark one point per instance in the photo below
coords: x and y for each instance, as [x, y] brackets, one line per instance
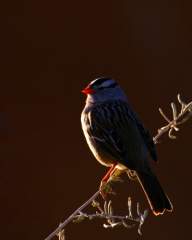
[118, 139]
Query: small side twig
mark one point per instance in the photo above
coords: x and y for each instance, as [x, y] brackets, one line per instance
[61, 234]
[186, 109]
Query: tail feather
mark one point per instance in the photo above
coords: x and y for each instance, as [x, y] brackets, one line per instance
[158, 200]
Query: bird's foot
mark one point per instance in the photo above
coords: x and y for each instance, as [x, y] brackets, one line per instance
[107, 187]
[132, 175]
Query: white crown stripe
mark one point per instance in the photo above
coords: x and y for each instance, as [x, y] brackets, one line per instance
[102, 82]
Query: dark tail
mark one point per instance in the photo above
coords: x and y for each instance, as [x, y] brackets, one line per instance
[158, 200]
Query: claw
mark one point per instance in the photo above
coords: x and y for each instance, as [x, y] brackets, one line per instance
[106, 188]
[104, 196]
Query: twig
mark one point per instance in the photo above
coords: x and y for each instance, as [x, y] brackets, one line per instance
[108, 214]
[172, 125]
[72, 216]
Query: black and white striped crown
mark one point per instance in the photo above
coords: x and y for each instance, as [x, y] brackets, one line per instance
[103, 82]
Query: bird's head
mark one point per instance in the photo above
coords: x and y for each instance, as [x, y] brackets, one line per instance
[103, 89]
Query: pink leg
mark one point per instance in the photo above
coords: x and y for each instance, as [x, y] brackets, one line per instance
[108, 173]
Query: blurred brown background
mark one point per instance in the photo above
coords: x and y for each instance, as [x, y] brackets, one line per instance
[50, 51]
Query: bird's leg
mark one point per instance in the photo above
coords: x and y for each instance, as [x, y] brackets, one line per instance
[108, 173]
[116, 173]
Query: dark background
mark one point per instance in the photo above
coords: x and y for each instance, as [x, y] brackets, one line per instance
[50, 51]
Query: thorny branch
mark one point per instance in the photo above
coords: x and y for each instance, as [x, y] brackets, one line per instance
[107, 211]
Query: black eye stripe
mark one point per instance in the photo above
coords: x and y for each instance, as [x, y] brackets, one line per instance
[113, 85]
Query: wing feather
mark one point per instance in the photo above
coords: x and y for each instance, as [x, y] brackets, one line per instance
[103, 122]
[146, 136]
[116, 128]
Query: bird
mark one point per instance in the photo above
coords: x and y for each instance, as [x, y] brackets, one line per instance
[119, 140]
